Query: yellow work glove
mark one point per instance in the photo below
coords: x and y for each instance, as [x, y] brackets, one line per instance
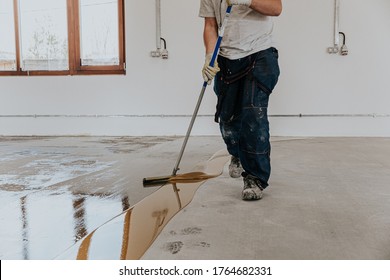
[239, 2]
[209, 72]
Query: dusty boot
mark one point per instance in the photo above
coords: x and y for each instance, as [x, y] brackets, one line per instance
[252, 188]
[235, 168]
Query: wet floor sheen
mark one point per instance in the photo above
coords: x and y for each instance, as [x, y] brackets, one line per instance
[83, 197]
[129, 235]
[56, 193]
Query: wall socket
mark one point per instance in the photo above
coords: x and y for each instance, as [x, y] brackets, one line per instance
[156, 53]
[159, 53]
[334, 49]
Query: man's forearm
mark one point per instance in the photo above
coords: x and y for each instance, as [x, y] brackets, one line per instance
[210, 34]
[267, 7]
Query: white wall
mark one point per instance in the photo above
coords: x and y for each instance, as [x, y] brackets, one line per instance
[157, 96]
[315, 82]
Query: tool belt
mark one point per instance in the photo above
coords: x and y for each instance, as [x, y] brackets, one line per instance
[231, 71]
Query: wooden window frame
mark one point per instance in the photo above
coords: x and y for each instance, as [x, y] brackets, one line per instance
[75, 67]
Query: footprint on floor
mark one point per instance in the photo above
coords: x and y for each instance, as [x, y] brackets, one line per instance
[203, 244]
[191, 230]
[174, 247]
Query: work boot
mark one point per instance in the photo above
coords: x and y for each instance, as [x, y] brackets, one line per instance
[235, 168]
[252, 188]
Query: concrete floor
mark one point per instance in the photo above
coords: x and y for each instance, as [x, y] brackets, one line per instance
[329, 198]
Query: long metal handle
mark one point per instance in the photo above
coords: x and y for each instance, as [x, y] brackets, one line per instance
[213, 58]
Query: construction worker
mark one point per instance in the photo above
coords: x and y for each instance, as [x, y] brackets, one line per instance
[246, 73]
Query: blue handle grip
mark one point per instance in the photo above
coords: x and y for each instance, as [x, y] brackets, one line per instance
[218, 43]
[215, 53]
[214, 57]
[219, 40]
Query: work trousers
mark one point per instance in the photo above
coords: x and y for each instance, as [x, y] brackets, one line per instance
[243, 87]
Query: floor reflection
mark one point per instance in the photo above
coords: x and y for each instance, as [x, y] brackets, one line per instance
[79, 218]
[130, 234]
[24, 227]
[41, 229]
[55, 193]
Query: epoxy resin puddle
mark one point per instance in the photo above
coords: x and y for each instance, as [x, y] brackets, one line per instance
[130, 234]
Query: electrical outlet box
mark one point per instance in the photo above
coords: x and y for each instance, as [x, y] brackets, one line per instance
[332, 50]
[156, 53]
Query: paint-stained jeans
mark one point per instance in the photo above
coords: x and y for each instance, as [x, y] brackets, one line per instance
[243, 87]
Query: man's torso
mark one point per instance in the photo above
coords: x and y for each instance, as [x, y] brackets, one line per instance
[246, 32]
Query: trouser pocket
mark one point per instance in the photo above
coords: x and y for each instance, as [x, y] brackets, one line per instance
[266, 70]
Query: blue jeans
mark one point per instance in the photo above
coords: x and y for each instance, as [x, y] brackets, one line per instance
[243, 87]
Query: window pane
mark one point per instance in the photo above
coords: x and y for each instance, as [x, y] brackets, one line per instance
[43, 33]
[99, 32]
[7, 36]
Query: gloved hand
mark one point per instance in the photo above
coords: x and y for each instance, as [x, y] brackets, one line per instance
[239, 2]
[209, 72]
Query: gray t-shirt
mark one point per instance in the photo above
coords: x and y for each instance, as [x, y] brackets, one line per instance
[246, 32]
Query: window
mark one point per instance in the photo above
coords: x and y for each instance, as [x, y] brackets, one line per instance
[61, 37]
[43, 35]
[7, 37]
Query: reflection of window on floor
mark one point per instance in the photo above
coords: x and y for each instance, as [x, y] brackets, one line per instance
[62, 37]
[47, 224]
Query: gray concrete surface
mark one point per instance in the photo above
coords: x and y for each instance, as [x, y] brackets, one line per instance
[329, 198]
